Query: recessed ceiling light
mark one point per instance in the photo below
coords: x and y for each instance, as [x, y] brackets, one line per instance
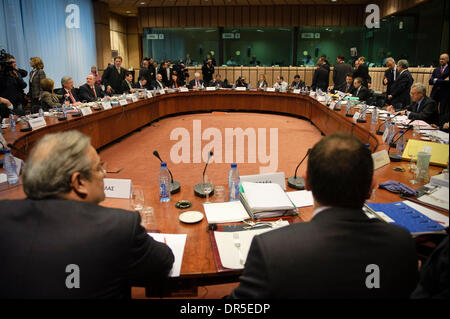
[128, 11]
[142, 3]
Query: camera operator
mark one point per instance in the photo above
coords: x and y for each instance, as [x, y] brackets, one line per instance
[5, 108]
[182, 72]
[12, 83]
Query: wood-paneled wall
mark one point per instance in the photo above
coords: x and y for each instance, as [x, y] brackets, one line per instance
[389, 7]
[251, 16]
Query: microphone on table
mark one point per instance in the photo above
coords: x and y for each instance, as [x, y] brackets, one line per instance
[198, 189]
[398, 157]
[174, 185]
[379, 132]
[298, 182]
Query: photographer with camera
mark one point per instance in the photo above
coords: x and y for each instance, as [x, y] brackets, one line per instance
[12, 83]
[182, 72]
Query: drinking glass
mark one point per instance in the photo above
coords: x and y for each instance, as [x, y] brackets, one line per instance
[412, 153]
[219, 194]
[138, 199]
[147, 216]
[423, 161]
[207, 187]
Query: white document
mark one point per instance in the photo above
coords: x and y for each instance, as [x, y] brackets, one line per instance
[117, 188]
[266, 197]
[176, 242]
[227, 212]
[229, 253]
[277, 178]
[438, 198]
[437, 217]
[301, 198]
[3, 178]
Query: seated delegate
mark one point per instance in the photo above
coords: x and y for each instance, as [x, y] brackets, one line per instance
[60, 231]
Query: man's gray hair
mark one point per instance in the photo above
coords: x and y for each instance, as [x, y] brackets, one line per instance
[420, 88]
[390, 59]
[403, 63]
[53, 161]
[65, 79]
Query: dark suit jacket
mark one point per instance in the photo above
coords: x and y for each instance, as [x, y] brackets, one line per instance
[156, 86]
[363, 93]
[208, 72]
[440, 89]
[389, 75]
[327, 258]
[343, 88]
[192, 83]
[39, 239]
[125, 87]
[298, 85]
[400, 90]
[165, 78]
[112, 78]
[320, 79]
[137, 85]
[86, 94]
[340, 72]
[74, 91]
[363, 72]
[427, 112]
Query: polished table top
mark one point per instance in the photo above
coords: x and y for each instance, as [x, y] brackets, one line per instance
[107, 126]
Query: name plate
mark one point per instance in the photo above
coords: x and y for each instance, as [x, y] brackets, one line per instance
[123, 102]
[134, 98]
[149, 95]
[86, 111]
[184, 90]
[107, 105]
[356, 116]
[162, 92]
[380, 159]
[296, 91]
[210, 88]
[241, 88]
[270, 89]
[276, 178]
[37, 122]
[117, 188]
[332, 105]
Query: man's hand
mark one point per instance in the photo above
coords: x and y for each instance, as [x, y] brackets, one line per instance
[369, 85]
[108, 89]
[330, 87]
[389, 97]
[390, 109]
[5, 101]
[445, 126]
[385, 80]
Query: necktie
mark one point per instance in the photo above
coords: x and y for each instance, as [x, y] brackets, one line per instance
[71, 96]
[395, 73]
[196, 83]
[418, 106]
[95, 93]
[442, 70]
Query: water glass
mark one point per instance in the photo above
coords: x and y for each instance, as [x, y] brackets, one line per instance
[147, 216]
[207, 187]
[138, 199]
[423, 161]
[219, 194]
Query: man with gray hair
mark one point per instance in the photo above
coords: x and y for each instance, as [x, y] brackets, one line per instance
[68, 90]
[399, 96]
[422, 107]
[59, 243]
[390, 75]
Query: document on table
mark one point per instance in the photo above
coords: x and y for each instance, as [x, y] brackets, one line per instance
[176, 242]
[301, 198]
[437, 217]
[229, 252]
[227, 212]
[438, 198]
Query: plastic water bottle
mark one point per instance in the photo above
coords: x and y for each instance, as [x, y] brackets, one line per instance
[41, 111]
[164, 183]
[10, 168]
[233, 183]
[374, 115]
[400, 143]
[391, 132]
[12, 123]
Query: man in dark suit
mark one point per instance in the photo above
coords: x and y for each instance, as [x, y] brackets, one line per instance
[346, 87]
[165, 72]
[89, 92]
[341, 252]
[217, 82]
[113, 77]
[422, 107]
[399, 96]
[196, 83]
[320, 78]
[127, 84]
[390, 75]
[362, 71]
[59, 243]
[208, 71]
[68, 90]
[297, 83]
[341, 69]
[141, 84]
[158, 84]
[360, 90]
[145, 71]
[440, 82]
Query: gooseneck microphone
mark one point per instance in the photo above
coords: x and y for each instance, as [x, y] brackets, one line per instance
[298, 182]
[198, 188]
[174, 185]
[398, 157]
[379, 132]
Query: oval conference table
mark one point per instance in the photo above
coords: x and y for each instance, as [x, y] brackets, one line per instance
[106, 126]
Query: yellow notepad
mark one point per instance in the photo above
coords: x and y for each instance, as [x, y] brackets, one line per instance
[439, 152]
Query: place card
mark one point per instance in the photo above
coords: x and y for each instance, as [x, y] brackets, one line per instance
[162, 92]
[106, 105]
[296, 91]
[37, 122]
[86, 111]
[356, 116]
[149, 95]
[241, 88]
[134, 98]
[270, 90]
[184, 90]
[117, 188]
[380, 159]
[123, 102]
[210, 88]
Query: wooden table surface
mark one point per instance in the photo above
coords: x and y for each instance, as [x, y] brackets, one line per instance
[109, 125]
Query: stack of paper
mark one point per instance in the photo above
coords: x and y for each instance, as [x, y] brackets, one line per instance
[176, 242]
[438, 198]
[227, 212]
[266, 197]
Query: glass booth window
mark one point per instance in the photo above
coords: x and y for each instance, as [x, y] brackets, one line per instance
[262, 46]
[187, 44]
